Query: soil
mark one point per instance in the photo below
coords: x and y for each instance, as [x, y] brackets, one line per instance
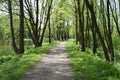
[54, 66]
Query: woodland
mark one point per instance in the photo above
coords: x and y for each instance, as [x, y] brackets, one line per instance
[90, 28]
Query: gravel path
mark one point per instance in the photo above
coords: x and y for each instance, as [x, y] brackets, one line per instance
[54, 66]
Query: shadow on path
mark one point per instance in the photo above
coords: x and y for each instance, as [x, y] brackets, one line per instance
[54, 66]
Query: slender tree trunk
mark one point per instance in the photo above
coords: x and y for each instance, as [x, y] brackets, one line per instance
[110, 45]
[45, 24]
[21, 43]
[93, 17]
[115, 18]
[11, 26]
[21, 34]
[94, 39]
[49, 31]
[87, 39]
[119, 7]
[76, 24]
[81, 27]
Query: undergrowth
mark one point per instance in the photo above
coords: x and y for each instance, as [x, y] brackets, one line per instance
[13, 67]
[87, 66]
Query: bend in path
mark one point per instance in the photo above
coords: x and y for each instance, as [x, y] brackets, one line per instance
[54, 66]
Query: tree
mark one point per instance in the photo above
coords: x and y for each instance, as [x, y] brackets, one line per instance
[94, 22]
[81, 24]
[49, 30]
[37, 22]
[21, 34]
[110, 44]
[61, 19]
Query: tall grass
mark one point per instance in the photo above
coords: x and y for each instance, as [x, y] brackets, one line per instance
[13, 67]
[89, 67]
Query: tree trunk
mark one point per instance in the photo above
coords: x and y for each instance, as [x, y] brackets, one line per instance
[81, 27]
[49, 31]
[21, 34]
[76, 23]
[94, 39]
[93, 17]
[11, 26]
[110, 44]
[45, 24]
[21, 43]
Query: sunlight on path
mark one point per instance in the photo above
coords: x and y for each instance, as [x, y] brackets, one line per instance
[54, 66]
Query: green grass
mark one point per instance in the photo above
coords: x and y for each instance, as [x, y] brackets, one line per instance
[13, 67]
[86, 66]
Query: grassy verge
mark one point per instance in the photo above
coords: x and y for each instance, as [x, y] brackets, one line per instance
[13, 67]
[86, 66]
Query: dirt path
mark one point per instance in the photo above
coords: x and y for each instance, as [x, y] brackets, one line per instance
[54, 66]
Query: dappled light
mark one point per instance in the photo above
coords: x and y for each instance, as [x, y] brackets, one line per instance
[34, 36]
[55, 65]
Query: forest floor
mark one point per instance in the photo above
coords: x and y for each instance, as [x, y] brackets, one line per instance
[54, 66]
